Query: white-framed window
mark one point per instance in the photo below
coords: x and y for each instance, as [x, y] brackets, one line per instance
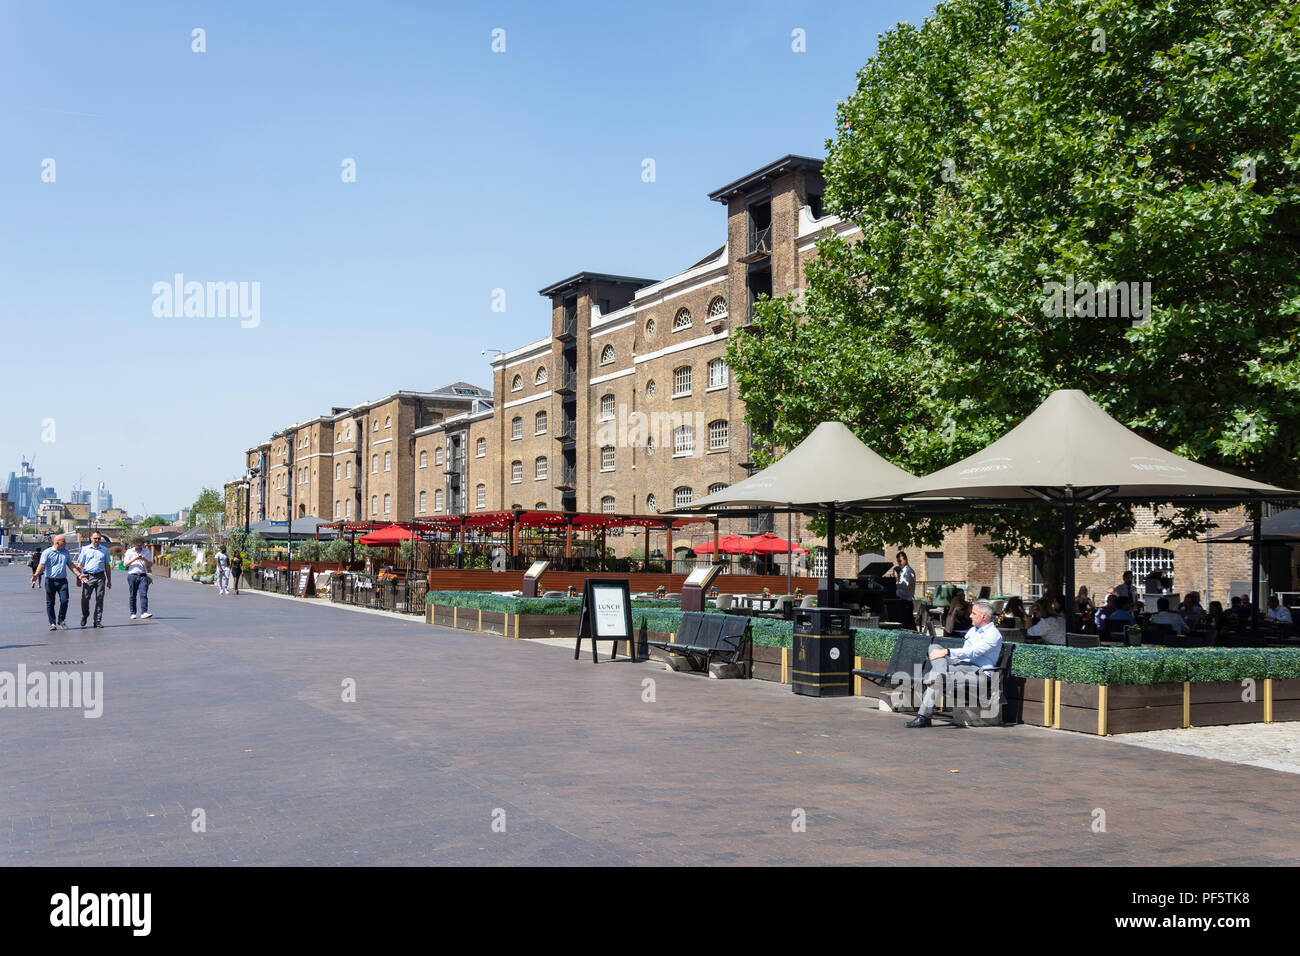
[607, 458]
[338, 470]
[516, 472]
[388, 461]
[517, 383]
[336, 508]
[540, 377]
[717, 373]
[607, 504]
[347, 469]
[719, 434]
[437, 501]
[683, 441]
[349, 434]
[1144, 561]
[682, 320]
[539, 423]
[649, 328]
[480, 448]
[681, 380]
[516, 428]
[607, 355]
[717, 308]
[388, 499]
[347, 508]
[650, 389]
[424, 459]
[374, 504]
[682, 496]
[607, 407]
[651, 503]
[376, 425]
[480, 495]
[539, 468]
[715, 488]
[819, 563]
[437, 455]
[540, 506]
[388, 421]
[374, 464]
[423, 501]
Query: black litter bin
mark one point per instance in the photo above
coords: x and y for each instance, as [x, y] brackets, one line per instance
[823, 652]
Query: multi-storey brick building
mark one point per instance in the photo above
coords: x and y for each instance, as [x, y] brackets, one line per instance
[626, 405]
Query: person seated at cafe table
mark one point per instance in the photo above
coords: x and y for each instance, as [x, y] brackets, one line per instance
[958, 620]
[982, 647]
[1013, 614]
[1239, 612]
[1215, 616]
[1047, 623]
[1122, 615]
[1105, 611]
[1191, 610]
[1277, 612]
[1165, 616]
[1082, 602]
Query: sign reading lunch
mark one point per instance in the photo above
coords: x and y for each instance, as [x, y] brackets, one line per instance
[606, 615]
[611, 611]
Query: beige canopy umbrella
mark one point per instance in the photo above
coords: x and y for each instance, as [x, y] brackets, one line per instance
[830, 466]
[1069, 450]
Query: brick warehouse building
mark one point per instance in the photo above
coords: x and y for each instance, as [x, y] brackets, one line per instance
[627, 406]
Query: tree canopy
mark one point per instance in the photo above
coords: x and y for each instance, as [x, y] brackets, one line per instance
[1022, 174]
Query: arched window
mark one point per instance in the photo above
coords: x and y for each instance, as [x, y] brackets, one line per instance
[336, 507]
[347, 508]
[607, 458]
[423, 500]
[651, 503]
[437, 500]
[682, 320]
[424, 459]
[516, 428]
[714, 489]
[682, 496]
[347, 469]
[388, 421]
[388, 461]
[717, 373]
[539, 467]
[607, 407]
[338, 470]
[374, 504]
[719, 434]
[480, 448]
[387, 503]
[540, 377]
[437, 455]
[682, 380]
[717, 308]
[1149, 566]
[607, 355]
[649, 328]
[650, 445]
[376, 424]
[607, 504]
[480, 496]
[540, 506]
[517, 383]
[683, 440]
[374, 464]
[650, 389]
[539, 423]
[516, 471]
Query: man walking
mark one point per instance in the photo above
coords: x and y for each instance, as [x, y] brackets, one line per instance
[981, 650]
[223, 571]
[96, 575]
[139, 561]
[55, 562]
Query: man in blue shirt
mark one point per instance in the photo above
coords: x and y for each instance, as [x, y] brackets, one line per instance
[95, 567]
[981, 650]
[55, 562]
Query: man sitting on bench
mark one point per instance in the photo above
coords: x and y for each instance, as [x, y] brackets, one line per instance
[982, 647]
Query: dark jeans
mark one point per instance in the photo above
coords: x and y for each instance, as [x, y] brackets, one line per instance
[139, 583]
[95, 584]
[57, 586]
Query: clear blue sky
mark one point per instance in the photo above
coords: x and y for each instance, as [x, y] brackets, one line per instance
[475, 171]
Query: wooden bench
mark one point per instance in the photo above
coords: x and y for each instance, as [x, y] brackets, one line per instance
[906, 671]
[704, 638]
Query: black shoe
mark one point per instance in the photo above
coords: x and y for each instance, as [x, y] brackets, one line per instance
[99, 625]
[83, 622]
[919, 721]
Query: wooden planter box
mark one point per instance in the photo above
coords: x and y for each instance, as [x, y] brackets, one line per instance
[1219, 702]
[1029, 700]
[1286, 699]
[767, 664]
[1120, 709]
[498, 622]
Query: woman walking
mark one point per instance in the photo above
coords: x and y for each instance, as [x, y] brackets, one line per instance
[236, 569]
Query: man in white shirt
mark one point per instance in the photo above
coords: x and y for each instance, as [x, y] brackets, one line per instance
[1278, 611]
[139, 561]
[1127, 589]
[905, 575]
[982, 647]
[1165, 616]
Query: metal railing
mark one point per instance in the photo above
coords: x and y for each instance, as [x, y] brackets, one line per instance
[404, 595]
[760, 240]
[567, 430]
[568, 381]
[569, 323]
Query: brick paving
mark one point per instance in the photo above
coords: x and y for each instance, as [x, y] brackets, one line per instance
[234, 705]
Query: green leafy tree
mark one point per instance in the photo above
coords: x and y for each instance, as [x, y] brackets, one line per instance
[1002, 147]
[154, 521]
[207, 513]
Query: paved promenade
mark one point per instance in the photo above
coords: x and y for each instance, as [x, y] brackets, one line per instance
[234, 705]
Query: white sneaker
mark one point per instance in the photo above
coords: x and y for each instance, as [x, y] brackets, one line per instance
[146, 614]
[133, 617]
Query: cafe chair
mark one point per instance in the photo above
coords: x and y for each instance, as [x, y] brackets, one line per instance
[723, 602]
